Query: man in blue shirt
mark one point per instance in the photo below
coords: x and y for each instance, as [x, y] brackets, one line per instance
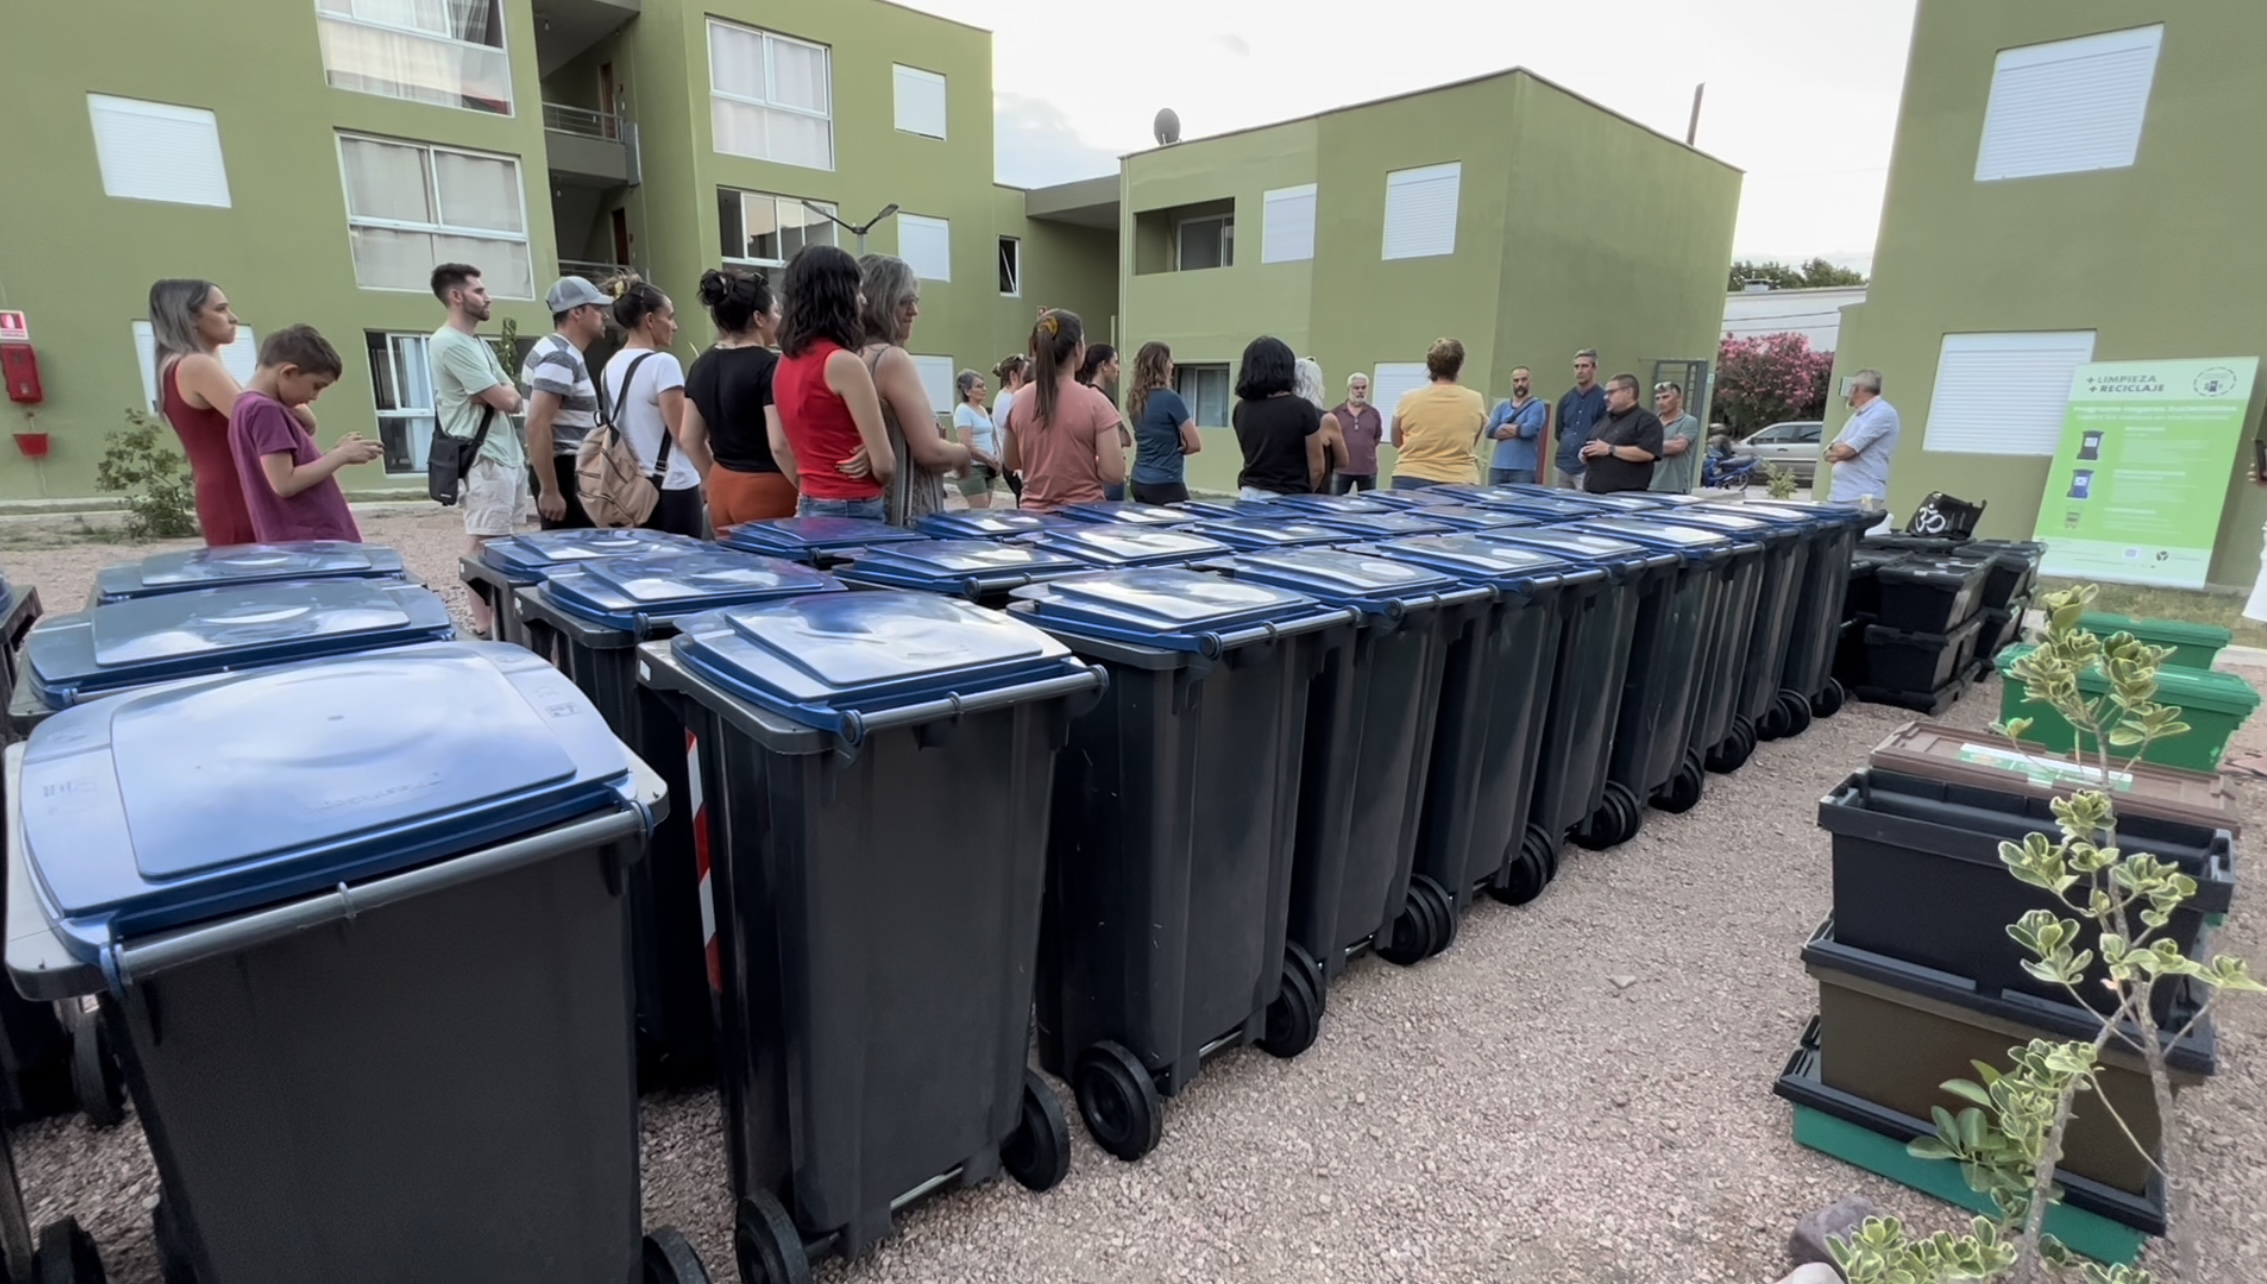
[1517, 429]
[1579, 412]
[1862, 454]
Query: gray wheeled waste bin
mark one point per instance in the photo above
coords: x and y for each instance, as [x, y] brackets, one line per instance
[35, 1053]
[824, 542]
[505, 566]
[875, 779]
[244, 564]
[359, 929]
[982, 570]
[1812, 690]
[1169, 863]
[1786, 548]
[986, 523]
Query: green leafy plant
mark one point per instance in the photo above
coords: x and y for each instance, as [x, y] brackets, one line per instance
[1779, 482]
[161, 495]
[2008, 1135]
[506, 345]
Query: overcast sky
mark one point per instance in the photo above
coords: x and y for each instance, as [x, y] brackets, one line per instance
[1802, 94]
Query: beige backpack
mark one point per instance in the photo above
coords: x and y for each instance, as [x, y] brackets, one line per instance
[617, 491]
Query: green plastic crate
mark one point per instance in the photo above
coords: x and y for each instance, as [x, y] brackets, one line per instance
[2194, 646]
[2088, 1233]
[2214, 705]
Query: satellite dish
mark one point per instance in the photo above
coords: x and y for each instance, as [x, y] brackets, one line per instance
[1168, 127]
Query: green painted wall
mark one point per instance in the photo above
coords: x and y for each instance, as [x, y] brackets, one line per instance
[1064, 266]
[1575, 228]
[2161, 260]
[80, 263]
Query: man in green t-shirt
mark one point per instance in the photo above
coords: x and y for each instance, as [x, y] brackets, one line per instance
[468, 388]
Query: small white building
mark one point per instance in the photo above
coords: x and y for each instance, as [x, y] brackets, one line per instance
[1814, 314]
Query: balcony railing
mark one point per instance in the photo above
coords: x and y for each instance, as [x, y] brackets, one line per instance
[596, 272]
[583, 121]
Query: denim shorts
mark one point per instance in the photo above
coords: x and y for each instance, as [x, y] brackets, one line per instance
[870, 509]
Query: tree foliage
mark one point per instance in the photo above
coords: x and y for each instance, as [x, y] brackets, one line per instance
[1814, 275]
[1768, 378]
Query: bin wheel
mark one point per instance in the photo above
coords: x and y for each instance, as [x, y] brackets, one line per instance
[1597, 833]
[1797, 712]
[1414, 930]
[1733, 751]
[1038, 1152]
[1631, 812]
[1118, 1100]
[67, 1255]
[1445, 916]
[1528, 872]
[1308, 964]
[769, 1248]
[670, 1259]
[1684, 789]
[1830, 699]
[173, 1264]
[1294, 1019]
[95, 1076]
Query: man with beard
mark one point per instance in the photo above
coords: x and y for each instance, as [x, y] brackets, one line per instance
[469, 390]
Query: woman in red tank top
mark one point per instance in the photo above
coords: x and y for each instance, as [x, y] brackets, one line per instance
[829, 409]
[192, 322]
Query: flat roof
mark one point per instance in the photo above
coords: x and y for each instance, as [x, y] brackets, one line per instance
[1087, 202]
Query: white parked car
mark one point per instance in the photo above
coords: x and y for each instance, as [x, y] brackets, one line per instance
[1795, 446]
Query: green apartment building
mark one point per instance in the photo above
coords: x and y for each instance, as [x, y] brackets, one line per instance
[318, 157]
[2066, 187]
[1503, 211]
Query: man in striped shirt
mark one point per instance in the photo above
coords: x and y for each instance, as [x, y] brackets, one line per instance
[562, 401]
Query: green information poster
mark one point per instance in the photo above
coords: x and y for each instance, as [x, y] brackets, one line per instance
[2148, 453]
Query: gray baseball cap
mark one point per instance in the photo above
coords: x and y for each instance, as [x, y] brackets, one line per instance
[573, 292]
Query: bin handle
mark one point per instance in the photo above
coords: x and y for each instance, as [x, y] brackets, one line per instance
[857, 726]
[126, 964]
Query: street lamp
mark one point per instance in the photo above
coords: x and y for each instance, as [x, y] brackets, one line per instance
[858, 230]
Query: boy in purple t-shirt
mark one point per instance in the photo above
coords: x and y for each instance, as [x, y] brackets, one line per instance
[289, 487]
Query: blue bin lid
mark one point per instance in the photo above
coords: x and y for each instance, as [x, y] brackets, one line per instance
[1357, 581]
[1229, 510]
[824, 661]
[1471, 517]
[1385, 525]
[1715, 517]
[1337, 503]
[1483, 496]
[134, 643]
[1130, 514]
[1583, 546]
[629, 593]
[531, 558]
[1823, 514]
[1283, 531]
[1169, 608]
[1628, 501]
[247, 564]
[1115, 544]
[1491, 562]
[1689, 542]
[1550, 508]
[985, 523]
[961, 567]
[193, 801]
[802, 538]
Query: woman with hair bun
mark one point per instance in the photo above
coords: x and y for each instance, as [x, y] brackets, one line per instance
[645, 387]
[728, 395]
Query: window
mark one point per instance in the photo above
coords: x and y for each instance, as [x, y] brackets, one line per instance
[447, 52]
[1011, 267]
[2068, 107]
[241, 357]
[157, 152]
[403, 380]
[1205, 389]
[1288, 236]
[926, 245]
[411, 207]
[939, 376]
[1420, 211]
[1207, 243]
[1795, 433]
[920, 102]
[772, 97]
[1394, 380]
[766, 230]
[2004, 394]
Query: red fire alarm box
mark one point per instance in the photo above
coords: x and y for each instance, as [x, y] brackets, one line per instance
[19, 363]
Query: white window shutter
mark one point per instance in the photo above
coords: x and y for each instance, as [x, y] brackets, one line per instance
[926, 243]
[158, 152]
[1393, 380]
[920, 102]
[1420, 211]
[2069, 107]
[2004, 394]
[937, 377]
[1289, 233]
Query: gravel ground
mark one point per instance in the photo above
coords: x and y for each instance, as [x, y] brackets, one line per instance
[1505, 1112]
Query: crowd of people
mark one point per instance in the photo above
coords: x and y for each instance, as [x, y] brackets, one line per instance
[808, 401]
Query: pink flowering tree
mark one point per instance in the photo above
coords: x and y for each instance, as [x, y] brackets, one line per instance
[1769, 378]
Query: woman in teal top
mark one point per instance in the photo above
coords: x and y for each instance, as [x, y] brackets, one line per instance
[1164, 433]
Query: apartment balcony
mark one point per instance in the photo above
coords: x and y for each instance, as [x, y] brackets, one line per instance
[566, 29]
[590, 148]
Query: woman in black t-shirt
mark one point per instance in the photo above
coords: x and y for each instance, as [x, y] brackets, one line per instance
[729, 391]
[1281, 434]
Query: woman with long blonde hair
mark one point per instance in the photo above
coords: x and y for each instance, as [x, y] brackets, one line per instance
[924, 457]
[1165, 433]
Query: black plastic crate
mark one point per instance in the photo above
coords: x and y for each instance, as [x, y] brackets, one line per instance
[1863, 596]
[2014, 568]
[1919, 662]
[1912, 545]
[1850, 652]
[1930, 595]
[1917, 876]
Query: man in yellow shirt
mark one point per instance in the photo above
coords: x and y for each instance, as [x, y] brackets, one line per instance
[1437, 427]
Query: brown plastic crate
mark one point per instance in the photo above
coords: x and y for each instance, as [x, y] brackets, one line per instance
[1986, 761]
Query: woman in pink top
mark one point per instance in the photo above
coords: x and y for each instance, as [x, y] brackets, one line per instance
[1062, 434]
